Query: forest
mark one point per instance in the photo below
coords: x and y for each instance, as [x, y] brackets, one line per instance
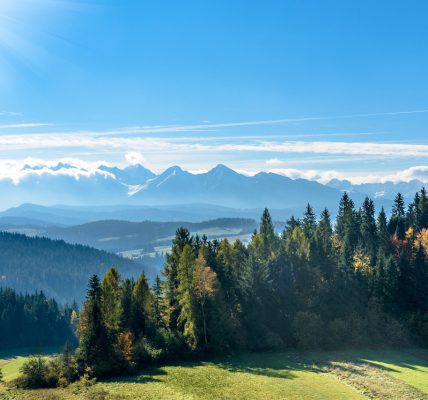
[58, 268]
[34, 321]
[360, 282]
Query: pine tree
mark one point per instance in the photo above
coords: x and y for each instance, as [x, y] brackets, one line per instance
[309, 222]
[267, 234]
[182, 238]
[158, 302]
[68, 365]
[368, 229]
[383, 236]
[94, 350]
[126, 305]
[187, 319]
[345, 214]
[290, 224]
[324, 247]
[423, 210]
[397, 225]
[142, 305]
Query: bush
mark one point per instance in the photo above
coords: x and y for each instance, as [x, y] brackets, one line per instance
[34, 374]
[145, 352]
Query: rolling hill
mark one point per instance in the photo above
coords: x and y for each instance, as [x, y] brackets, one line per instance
[58, 268]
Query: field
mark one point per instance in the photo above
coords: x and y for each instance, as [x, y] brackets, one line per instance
[287, 375]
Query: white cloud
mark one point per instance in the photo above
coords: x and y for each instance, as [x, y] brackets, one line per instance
[324, 176]
[135, 158]
[27, 125]
[274, 161]
[5, 113]
[17, 170]
[148, 144]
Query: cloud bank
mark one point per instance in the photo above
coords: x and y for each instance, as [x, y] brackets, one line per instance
[18, 171]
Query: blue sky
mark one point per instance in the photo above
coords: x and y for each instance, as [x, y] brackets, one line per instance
[305, 88]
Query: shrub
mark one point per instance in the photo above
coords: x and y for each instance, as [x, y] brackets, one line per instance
[145, 352]
[34, 374]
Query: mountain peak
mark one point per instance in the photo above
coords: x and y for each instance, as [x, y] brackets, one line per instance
[175, 169]
[221, 169]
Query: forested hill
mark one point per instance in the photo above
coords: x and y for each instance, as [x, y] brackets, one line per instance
[58, 268]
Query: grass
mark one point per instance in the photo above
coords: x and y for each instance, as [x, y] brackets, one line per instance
[12, 360]
[287, 375]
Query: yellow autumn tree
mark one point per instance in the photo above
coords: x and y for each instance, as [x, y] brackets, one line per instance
[205, 288]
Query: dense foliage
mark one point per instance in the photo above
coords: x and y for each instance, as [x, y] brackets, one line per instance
[363, 282]
[58, 268]
[33, 321]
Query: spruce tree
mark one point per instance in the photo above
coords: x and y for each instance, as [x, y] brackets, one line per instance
[346, 210]
[142, 303]
[383, 236]
[181, 239]
[309, 222]
[368, 229]
[158, 305]
[94, 350]
[397, 223]
[267, 234]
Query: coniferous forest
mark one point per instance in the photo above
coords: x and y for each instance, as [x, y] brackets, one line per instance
[33, 321]
[360, 282]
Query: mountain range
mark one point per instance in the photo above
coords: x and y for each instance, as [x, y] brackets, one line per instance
[221, 186]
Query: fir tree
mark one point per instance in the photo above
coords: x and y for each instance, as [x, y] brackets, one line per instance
[94, 350]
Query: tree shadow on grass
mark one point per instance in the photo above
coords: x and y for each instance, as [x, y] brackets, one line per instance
[146, 375]
[283, 365]
[413, 359]
[286, 365]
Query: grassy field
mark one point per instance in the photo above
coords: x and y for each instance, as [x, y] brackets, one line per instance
[288, 375]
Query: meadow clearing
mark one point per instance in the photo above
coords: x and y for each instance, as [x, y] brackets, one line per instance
[379, 374]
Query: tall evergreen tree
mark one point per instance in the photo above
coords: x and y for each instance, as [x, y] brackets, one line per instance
[94, 348]
[383, 236]
[397, 223]
[368, 229]
[182, 239]
[158, 303]
[267, 234]
[142, 300]
[344, 215]
[309, 222]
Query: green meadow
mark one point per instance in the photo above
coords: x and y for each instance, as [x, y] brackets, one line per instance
[286, 375]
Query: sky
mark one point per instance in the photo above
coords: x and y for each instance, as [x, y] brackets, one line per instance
[320, 90]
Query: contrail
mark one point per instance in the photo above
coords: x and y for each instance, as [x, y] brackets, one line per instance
[182, 128]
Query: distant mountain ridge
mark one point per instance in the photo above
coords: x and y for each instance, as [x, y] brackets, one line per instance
[135, 185]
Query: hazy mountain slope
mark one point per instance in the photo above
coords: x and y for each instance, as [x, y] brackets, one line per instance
[136, 185]
[60, 269]
[379, 191]
[76, 215]
[225, 187]
[124, 235]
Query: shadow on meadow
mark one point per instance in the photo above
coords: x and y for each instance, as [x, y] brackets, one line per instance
[286, 365]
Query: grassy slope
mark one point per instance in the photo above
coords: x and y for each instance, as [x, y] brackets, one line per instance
[350, 375]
